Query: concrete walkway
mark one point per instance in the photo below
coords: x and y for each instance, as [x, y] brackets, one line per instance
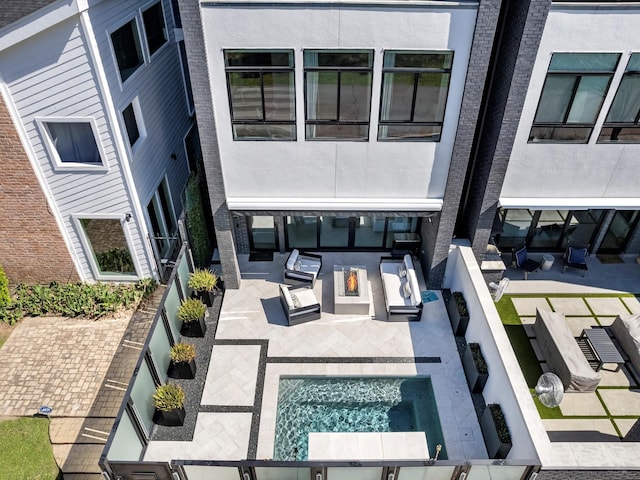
[79, 368]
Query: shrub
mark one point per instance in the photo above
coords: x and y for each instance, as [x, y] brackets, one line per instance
[191, 309]
[169, 397]
[203, 280]
[461, 303]
[196, 222]
[500, 422]
[5, 298]
[183, 352]
[478, 358]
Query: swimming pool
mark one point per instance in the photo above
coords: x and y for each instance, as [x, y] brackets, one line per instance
[347, 404]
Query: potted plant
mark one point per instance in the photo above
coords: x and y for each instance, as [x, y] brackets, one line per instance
[183, 365]
[495, 431]
[192, 312]
[458, 314]
[475, 368]
[169, 402]
[203, 282]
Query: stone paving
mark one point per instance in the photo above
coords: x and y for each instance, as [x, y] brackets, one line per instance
[79, 368]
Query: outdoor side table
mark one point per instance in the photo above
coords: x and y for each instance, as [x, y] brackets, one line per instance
[603, 347]
[547, 262]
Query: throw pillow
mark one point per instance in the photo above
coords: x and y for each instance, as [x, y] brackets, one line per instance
[297, 265]
[402, 270]
[296, 301]
[406, 290]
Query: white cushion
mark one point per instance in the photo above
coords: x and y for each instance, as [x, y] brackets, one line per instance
[408, 262]
[306, 297]
[287, 296]
[292, 259]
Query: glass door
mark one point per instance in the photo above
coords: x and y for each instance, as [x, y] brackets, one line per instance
[334, 232]
[262, 233]
[619, 231]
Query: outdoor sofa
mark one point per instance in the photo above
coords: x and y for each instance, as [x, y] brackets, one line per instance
[562, 353]
[302, 268]
[299, 303]
[402, 297]
[626, 329]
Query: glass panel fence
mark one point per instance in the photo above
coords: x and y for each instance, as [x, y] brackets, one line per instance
[201, 472]
[142, 396]
[351, 473]
[171, 308]
[495, 472]
[183, 274]
[425, 473]
[126, 445]
[159, 347]
[282, 473]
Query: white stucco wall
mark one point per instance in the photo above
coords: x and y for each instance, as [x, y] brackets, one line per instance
[329, 169]
[580, 176]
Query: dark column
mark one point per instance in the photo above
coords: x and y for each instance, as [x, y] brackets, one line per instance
[199, 72]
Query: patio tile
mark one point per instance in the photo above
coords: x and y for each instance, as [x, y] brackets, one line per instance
[527, 306]
[632, 303]
[621, 401]
[580, 430]
[621, 378]
[527, 320]
[578, 324]
[625, 424]
[607, 305]
[570, 305]
[584, 404]
[606, 321]
[231, 378]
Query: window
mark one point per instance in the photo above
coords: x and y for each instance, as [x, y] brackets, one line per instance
[109, 246]
[154, 28]
[73, 142]
[186, 77]
[414, 95]
[131, 124]
[126, 47]
[261, 94]
[623, 120]
[162, 219]
[338, 94]
[572, 95]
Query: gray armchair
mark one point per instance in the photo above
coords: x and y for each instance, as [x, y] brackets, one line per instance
[299, 303]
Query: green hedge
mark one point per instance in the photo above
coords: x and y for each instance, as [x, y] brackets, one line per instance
[196, 223]
[74, 299]
[5, 298]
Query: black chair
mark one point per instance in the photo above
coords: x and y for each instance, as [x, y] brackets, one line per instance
[522, 261]
[575, 256]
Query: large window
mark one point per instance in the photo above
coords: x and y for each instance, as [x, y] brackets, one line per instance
[572, 95]
[154, 27]
[109, 246]
[73, 143]
[126, 47]
[261, 94]
[623, 120]
[338, 94]
[162, 218]
[414, 95]
[132, 117]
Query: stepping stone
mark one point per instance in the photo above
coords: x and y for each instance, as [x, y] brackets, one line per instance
[583, 404]
[621, 378]
[621, 402]
[527, 306]
[607, 305]
[632, 303]
[578, 324]
[574, 306]
[580, 430]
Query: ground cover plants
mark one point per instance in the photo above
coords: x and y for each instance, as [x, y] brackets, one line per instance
[93, 300]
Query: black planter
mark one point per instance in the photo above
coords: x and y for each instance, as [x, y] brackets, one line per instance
[172, 418]
[459, 322]
[495, 447]
[195, 328]
[182, 370]
[475, 379]
[205, 296]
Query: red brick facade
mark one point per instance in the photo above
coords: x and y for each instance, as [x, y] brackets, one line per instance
[32, 249]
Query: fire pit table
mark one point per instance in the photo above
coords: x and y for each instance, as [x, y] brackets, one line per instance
[350, 290]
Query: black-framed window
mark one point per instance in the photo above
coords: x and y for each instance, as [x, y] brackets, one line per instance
[572, 96]
[131, 124]
[155, 28]
[622, 124]
[261, 91]
[126, 47]
[338, 94]
[74, 142]
[414, 95]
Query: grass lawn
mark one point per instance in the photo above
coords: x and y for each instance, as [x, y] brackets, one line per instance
[26, 451]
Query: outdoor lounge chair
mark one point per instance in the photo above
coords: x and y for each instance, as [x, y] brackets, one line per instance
[299, 303]
[522, 261]
[302, 268]
[576, 257]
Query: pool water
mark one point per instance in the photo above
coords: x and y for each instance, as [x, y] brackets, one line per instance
[344, 404]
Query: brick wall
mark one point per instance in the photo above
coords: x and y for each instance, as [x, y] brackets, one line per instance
[32, 249]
